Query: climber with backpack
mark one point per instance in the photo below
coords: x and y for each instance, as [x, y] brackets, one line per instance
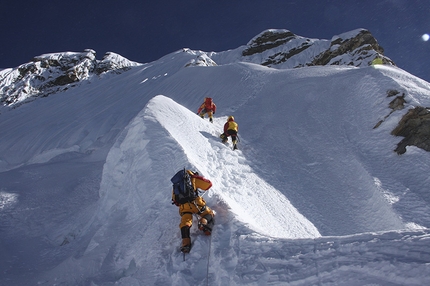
[187, 186]
[230, 129]
[207, 107]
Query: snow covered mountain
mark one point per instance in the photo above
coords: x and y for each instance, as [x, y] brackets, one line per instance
[51, 73]
[315, 195]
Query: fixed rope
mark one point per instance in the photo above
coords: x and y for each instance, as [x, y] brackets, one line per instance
[209, 253]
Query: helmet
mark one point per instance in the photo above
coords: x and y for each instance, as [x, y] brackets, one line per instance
[230, 118]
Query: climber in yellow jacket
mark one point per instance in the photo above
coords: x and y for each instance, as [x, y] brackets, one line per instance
[230, 129]
[185, 195]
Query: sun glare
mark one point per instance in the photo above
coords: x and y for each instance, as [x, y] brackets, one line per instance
[425, 37]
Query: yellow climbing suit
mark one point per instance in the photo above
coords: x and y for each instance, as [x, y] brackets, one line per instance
[198, 205]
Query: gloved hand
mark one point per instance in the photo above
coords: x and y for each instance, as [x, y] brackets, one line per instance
[198, 113]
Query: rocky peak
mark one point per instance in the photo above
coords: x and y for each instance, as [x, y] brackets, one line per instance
[357, 48]
[267, 40]
[283, 49]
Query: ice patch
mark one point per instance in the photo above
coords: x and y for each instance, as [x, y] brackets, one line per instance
[390, 197]
[7, 200]
[414, 226]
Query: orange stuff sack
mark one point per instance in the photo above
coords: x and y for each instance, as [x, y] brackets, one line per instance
[200, 182]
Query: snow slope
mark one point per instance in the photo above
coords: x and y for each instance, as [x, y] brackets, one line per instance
[313, 196]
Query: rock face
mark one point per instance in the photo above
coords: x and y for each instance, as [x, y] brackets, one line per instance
[52, 73]
[361, 47]
[415, 127]
[268, 40]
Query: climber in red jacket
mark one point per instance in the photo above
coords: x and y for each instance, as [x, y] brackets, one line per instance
[207, 107]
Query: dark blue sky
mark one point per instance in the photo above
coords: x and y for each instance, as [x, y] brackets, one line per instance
[144, 31]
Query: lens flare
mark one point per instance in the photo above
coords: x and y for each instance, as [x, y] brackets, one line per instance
[425, 37]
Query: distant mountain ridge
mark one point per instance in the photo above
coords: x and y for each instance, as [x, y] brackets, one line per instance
[283, 49]
[276, 48]
[55, 72]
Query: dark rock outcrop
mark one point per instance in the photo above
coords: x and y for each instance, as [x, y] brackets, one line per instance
[362, 48]
[396, 104]
[268, 40]
[415, 127]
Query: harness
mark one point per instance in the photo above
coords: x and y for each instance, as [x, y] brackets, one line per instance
[200, 209]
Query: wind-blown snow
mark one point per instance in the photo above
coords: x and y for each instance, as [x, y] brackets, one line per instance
[313, 196]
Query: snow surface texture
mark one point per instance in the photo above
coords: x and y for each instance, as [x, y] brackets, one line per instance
[313, 196]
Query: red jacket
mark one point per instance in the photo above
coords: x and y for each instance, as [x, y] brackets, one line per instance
[208, 105]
